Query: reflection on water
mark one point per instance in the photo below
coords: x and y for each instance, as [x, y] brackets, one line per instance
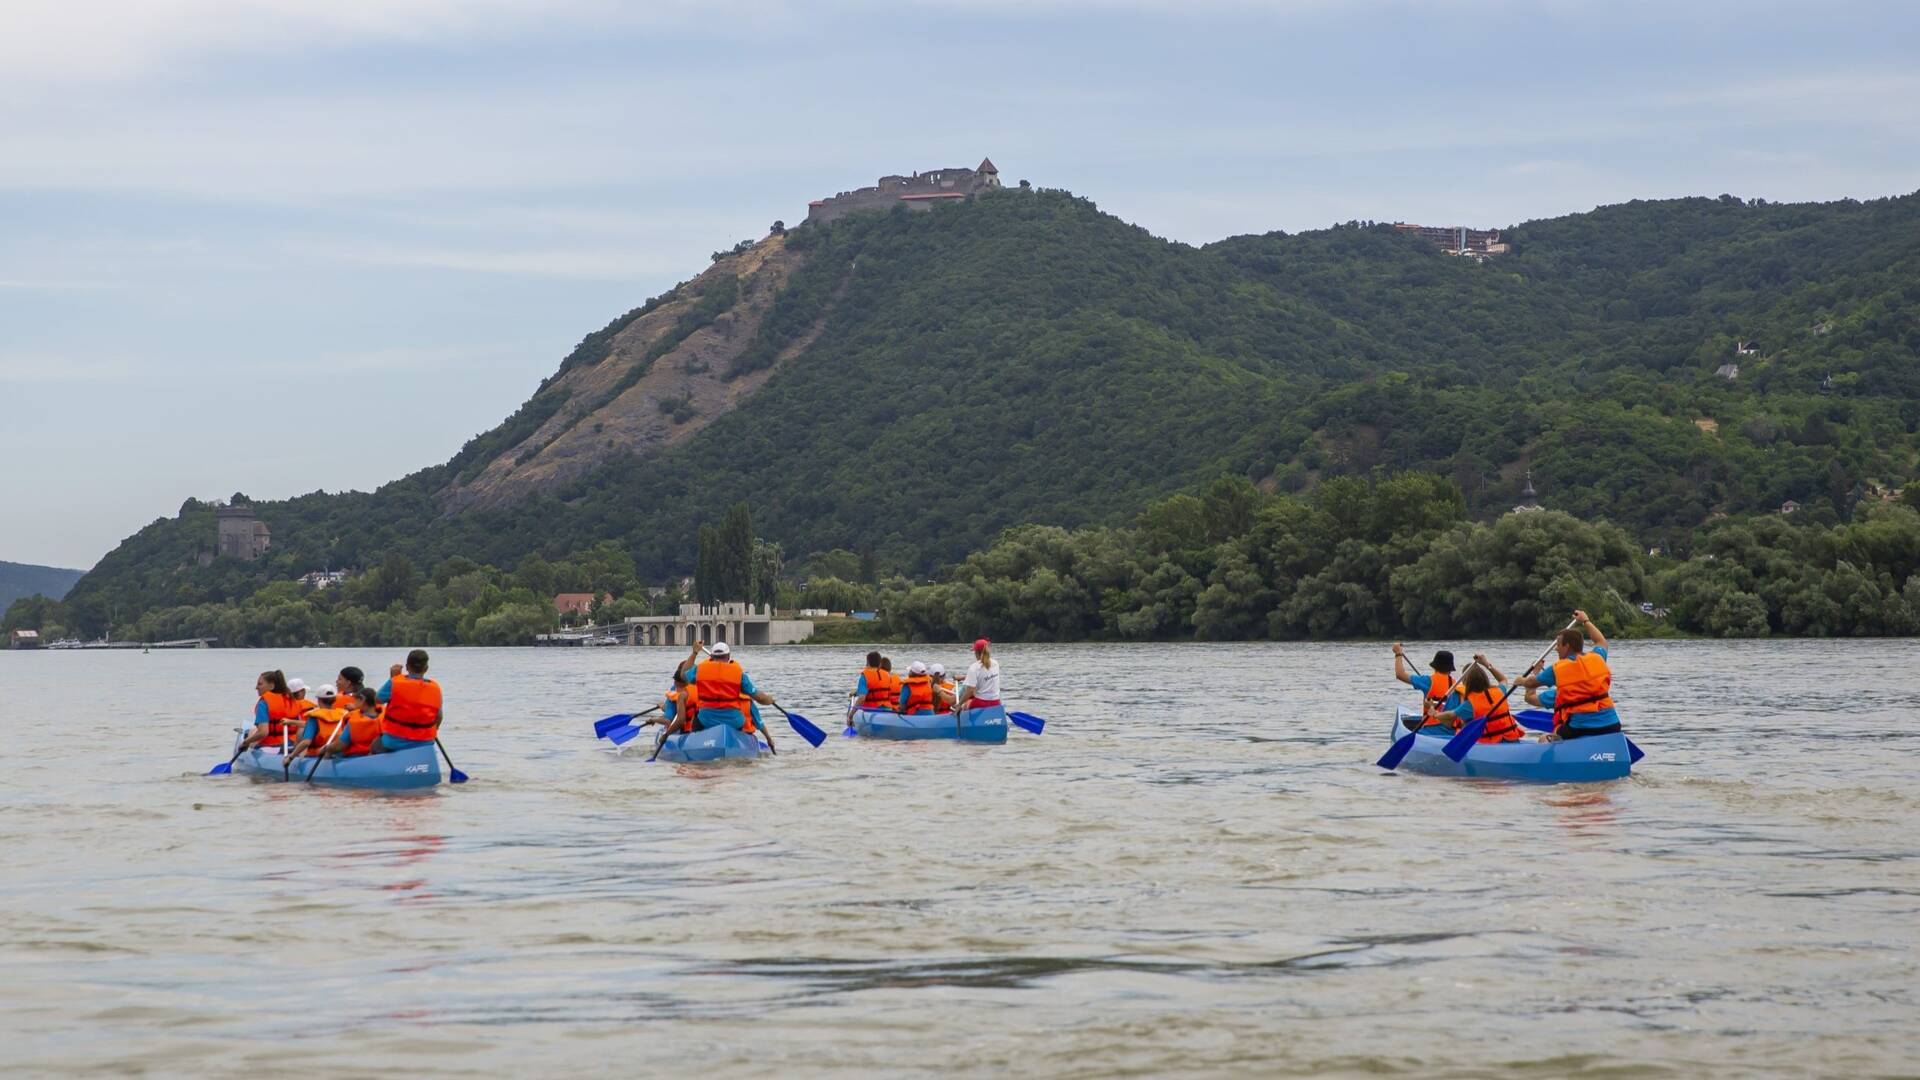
[1172, 879]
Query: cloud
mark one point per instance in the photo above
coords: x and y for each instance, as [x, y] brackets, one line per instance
[47, 368]
[579, 264]
[62, 41]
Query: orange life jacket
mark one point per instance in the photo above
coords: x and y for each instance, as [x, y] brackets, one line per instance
[1501, 726]
[1437, 692]
[327, 721]
[413, 710]
[716, 685]
[881, 692]
[919, 694]
[282, 710]
[944, 705]
[363, 726]
[1581, 685]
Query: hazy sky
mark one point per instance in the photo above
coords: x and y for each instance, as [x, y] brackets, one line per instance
[287, 245]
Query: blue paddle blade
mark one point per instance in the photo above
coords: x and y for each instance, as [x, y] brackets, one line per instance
[221, 769]
[1027, 722]
[1634, 753]
[457, 776]
[804, 728]
[851, 731]
[1534, 719]
[1391, 759]
[621, 736]
[1457, 747]
[601, 727]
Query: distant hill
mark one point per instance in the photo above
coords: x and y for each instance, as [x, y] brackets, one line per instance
[910, 384]
[18, 580]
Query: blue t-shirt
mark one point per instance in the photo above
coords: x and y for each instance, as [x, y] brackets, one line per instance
[1604, 718]
[1462, 708]
[260, 713]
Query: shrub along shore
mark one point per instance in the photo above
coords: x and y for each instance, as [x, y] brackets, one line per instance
[1392, 557]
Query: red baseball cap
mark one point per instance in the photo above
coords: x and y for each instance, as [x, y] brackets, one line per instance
[980, 643]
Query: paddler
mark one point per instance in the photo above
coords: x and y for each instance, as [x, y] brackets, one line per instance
[681, 701]
[916, 691]
[944, 689]
[274, 715]
[321, 722]
[875, 688]
[349, 687]
[1433, 688]
[981, 688]
[1582, 683]
[412, 703]
[1482, 694]
[726, 692]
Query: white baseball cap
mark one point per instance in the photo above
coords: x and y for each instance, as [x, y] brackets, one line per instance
[939, 669]
[325, 693]
[295, 686]
[918, 667]
[720, 649]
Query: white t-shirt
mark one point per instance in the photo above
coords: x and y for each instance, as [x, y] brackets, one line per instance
[984, 680]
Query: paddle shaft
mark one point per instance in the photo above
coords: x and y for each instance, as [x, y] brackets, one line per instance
[1457, 755]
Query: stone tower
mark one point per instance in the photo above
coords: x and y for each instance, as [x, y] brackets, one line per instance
[241, 535]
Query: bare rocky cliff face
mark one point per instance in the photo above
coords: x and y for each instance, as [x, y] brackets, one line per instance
[659, 384]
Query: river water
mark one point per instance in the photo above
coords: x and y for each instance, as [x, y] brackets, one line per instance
[1195, 871]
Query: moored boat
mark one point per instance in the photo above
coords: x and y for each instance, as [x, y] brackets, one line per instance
[1572, 761]
[711, 744]
[988, 725]
[398, 771]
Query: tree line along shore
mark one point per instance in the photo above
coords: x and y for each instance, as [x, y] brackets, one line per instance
[1387, 557]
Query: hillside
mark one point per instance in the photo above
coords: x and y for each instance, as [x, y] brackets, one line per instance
[911, 384]
[19, 580]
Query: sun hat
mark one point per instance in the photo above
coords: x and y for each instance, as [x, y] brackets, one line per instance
[918, 667]
[1442, 661]
[295, 686]
[325, 693]
[720, 649]
[980, 643]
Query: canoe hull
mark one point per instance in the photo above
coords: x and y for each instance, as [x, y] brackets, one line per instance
[1590, 760]
[402, 770]
[974, 725]
[711, 744]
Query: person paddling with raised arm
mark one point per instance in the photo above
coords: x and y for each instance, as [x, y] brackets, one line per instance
[1482, 695]
[727, 694]
[1582, 683]
[1433, 688]
[413, 712]
[981, 688]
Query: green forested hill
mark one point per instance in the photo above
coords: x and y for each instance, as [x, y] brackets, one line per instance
[19, 580]
[1024, 358]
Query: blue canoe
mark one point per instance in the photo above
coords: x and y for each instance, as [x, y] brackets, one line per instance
[1574, 761]
[711, 744]
[398, 771]
[987, 725]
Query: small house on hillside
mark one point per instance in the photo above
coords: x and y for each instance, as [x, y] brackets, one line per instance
[1789, 507]
[576, 603]
[1745, 348]
[24, 639]
[1728, 372]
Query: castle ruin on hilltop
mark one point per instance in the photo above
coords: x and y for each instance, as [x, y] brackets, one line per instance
[921, 191]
